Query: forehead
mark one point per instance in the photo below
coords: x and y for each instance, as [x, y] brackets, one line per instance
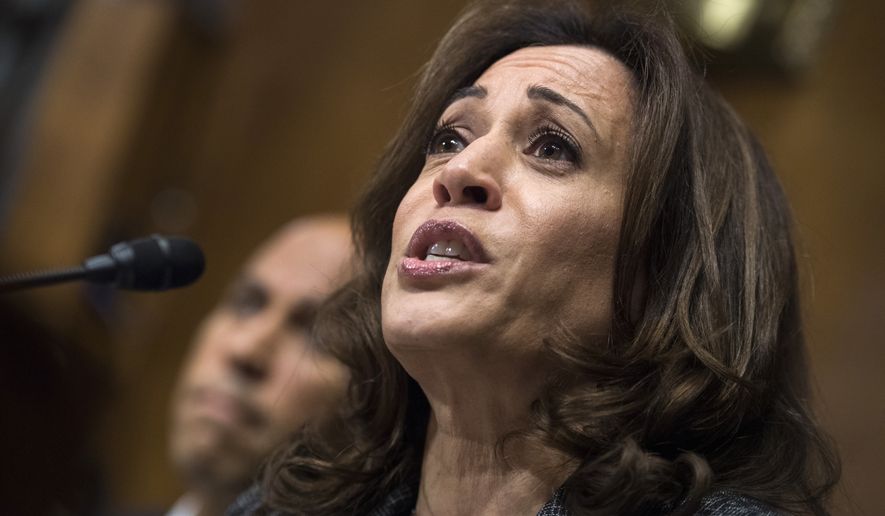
[303, 261]
[583, 70]
[588, 76]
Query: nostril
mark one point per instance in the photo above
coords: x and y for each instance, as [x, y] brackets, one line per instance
[442, 193]
[476, 193]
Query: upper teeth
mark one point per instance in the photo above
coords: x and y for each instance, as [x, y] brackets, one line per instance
[447, 249]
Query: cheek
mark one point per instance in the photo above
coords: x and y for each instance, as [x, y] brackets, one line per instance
[306, 388]
[408, 210]
[577, 244]
[206, 351]
[405, 221]
[578, 232]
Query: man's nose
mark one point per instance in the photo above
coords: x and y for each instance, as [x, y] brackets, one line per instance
[473, 176]
[251, 348]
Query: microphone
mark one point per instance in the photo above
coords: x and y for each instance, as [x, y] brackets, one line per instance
[153, 263]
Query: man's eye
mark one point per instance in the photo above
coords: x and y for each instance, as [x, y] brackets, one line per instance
[244, 301]
[302, 318]
[446, 140]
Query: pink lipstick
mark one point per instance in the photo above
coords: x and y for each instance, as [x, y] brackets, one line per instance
[442, 248]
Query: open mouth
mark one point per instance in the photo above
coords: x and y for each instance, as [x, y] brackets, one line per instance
[445, 240]
[447, 250]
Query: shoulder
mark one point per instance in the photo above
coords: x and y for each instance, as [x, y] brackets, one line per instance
[717, 503]
[729, 503]
[249, 502]
[399, 502]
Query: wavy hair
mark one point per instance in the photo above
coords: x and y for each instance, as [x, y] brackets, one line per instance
[703, 383]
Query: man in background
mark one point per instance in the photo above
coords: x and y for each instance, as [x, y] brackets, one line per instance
[253, 376]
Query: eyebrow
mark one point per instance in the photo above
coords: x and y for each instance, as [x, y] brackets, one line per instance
[304, 311]
[469, 91]
[244, 282]
[545, 93]
[533, 92]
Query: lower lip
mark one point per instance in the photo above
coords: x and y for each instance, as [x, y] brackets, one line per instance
[221, 408]
[417, 269]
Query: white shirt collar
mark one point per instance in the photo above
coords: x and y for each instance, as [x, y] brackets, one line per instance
[187, 505]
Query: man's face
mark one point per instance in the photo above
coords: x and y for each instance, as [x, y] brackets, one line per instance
[253, 376]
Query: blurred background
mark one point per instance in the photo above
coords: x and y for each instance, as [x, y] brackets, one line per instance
[222, 119]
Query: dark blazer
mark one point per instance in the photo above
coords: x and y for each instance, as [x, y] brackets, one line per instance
[402, 500]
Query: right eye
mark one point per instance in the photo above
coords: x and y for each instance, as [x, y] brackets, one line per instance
[245, 300]
[446, 140]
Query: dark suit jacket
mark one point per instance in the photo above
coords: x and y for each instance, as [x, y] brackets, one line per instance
[402, 500]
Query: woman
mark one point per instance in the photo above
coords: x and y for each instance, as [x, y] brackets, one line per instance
[578, 293]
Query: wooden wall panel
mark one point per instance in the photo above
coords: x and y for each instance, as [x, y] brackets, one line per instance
[825, 134]
[87, 106]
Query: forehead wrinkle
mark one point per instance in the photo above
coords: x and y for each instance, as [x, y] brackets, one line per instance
[586, 78]
[568, 68]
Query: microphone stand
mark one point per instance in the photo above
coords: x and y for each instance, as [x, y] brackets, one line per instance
[26, 280]
[153, 263]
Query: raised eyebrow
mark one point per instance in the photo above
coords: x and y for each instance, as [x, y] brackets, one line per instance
[243, 284]
[469, 91]
[246, 282]
[545, 93]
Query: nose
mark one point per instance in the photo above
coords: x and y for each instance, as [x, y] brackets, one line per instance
[251, 348]
[471, 177]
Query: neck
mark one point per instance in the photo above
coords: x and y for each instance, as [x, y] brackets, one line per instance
[462, 476]
[476, 460]
[210, 504]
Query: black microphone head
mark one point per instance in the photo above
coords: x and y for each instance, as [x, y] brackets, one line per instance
[157, 263]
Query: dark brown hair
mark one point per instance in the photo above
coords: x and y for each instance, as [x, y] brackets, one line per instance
[702, 385]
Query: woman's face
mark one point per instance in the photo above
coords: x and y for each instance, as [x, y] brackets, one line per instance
[511, 229]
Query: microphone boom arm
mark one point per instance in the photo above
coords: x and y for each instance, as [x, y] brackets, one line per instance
[153, 263]
[25, 280]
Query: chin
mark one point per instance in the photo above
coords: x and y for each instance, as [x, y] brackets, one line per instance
[214, 467]
[444, 318]
[217, 474]
[413, 329]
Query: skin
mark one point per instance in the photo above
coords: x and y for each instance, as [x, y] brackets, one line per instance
[549, 220]
[253, 375]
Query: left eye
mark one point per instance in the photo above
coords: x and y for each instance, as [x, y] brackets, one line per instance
[553, 144]
[551, 150]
